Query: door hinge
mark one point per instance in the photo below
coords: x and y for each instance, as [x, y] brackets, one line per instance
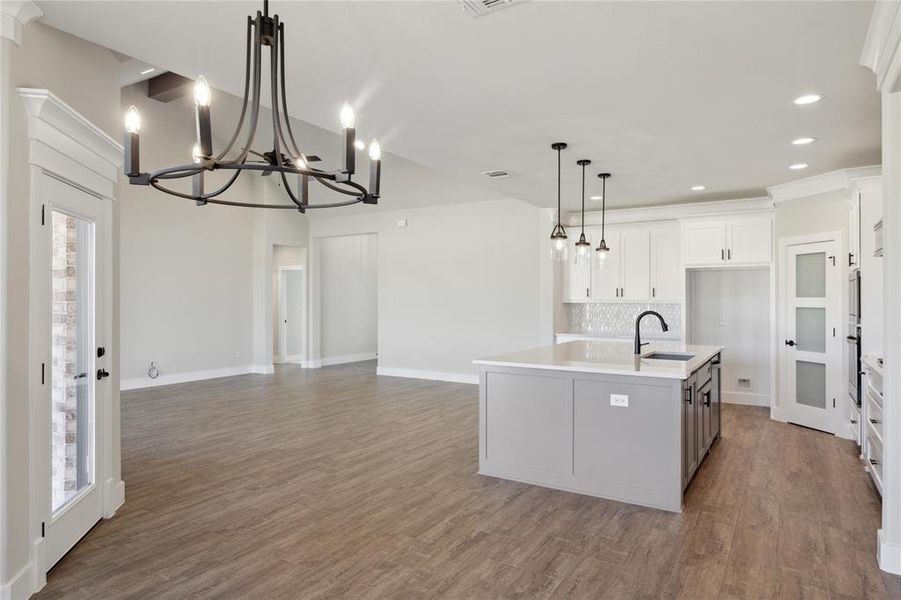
[43, 210]
[43, 529]
[42, 372]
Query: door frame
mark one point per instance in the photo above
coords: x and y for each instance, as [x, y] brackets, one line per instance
[282, 337]
[66, 147]
[837, 384]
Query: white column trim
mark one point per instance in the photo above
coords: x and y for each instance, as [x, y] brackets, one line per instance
[880, 50]
[14, 15]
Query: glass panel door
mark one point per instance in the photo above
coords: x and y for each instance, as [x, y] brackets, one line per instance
[72, 357]
[812, 297]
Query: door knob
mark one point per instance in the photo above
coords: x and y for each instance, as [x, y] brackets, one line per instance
[789, 342]
[101, 373]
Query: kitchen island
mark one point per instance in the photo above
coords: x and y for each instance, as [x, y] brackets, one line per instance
[593, 418]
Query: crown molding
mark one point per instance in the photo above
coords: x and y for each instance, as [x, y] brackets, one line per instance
[882, 49]
[672, 212]
[14, 15]
[820, 184]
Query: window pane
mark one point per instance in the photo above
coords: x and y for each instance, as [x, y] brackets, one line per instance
[72, 343]
[810, 275]
[810, 384]
[810, 327]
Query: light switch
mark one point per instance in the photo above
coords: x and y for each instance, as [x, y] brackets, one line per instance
[401, 222]
[619, 400]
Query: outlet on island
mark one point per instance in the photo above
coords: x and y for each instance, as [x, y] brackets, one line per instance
[619, 400]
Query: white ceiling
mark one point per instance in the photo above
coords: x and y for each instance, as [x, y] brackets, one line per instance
[663, 95]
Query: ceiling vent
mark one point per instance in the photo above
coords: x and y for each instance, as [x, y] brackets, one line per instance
[478, 8]
[496, 174]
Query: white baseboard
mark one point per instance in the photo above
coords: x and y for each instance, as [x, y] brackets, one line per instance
[433, 375]
[21, 585]
[169, 379]
[746, 398]
[294, 358]
[263, 369]
[347, 358]
[115, 497]
[889, 555]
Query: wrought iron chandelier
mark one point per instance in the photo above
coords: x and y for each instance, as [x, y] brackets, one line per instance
[285, 158]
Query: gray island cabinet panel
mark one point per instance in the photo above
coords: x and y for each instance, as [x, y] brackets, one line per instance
[591, 418]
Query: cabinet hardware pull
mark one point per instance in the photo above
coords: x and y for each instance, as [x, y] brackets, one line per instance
[706, 398]
[874, 462]
[729, 253]
[722, 254]
[874, 421]
[653, 292]
[586, 292]
[853, 422]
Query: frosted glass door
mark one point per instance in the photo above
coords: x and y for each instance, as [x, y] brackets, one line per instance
[811, 334]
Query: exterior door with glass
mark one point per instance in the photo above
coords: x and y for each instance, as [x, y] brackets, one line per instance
[71, 309]
[812, 345]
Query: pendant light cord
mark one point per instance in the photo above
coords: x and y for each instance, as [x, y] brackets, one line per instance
[583, 201]
[558, 186]
[603, 207]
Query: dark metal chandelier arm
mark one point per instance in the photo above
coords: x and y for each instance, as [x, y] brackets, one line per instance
[240, 126]
[338, 189]
[255, 114]
[281, 41]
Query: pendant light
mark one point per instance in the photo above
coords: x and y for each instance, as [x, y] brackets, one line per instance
[602, 248]
[558, 234]
[583, 248]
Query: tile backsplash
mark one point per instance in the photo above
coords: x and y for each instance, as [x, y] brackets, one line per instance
[618, 319]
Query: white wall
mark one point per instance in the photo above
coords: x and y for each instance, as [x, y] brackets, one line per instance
[459, 282]
[348, 297]
[731, 308]
[86, 77]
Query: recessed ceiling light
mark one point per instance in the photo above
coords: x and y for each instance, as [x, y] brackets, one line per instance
[798, 166]
[596, 197]
[801, 141]
[808, 98]
[148, 71]
[698, 188]
[359, 144]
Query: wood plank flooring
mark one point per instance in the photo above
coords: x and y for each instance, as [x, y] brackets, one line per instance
[335, 483]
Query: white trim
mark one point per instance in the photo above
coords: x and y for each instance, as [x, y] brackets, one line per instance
[888, 554]
[432, 375]
[880, 50]
[294, 359]
[262, 369]
[820, 184]
[745, 398]
[347, 358]
[14, 16]
[673, 212]
[169, 379]
[21, 585]
[113, 497]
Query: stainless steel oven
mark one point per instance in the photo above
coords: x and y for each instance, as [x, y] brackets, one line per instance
[854, 391]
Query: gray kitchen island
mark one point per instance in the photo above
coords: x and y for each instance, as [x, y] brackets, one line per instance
[594, 418]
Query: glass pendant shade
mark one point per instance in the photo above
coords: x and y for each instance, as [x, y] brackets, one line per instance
[602, 252]
[583, 252]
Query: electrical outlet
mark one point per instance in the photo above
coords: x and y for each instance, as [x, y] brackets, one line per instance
[744, 383]
[238, 355]
[722, 320]
[619, 400]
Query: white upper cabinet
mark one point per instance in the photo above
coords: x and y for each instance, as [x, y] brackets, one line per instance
[703, 242]
[576, 278]
[729, 241]
[749, 241]
[635, 263]
[667, 276]
[854, 232]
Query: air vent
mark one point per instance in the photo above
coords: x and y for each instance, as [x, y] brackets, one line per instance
[496, 174]
[477, 8]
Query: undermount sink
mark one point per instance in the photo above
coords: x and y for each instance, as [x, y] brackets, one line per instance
[683, 356]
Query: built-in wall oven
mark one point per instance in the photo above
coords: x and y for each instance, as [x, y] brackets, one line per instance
[854, 391]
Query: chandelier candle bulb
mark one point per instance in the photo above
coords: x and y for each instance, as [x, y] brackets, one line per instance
[132, 142]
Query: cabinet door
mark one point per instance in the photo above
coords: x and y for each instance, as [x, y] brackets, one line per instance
[667, 277]
[749, 241]
[635, 277]
[705, 409]
[703, 243]
[605, 277]
[689, 433]
[576, 278]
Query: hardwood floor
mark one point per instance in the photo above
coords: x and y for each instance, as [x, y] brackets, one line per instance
[335, 483]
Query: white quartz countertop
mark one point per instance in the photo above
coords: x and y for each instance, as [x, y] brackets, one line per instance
[608, 358]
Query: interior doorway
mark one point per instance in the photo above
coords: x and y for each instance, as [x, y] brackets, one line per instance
[291, 338]
[812, 331]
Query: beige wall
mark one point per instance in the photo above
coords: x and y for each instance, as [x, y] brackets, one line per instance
[86, 77]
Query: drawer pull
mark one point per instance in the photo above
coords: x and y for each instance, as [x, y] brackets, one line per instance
[853, 422]
[874, 462]
[874, 421]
